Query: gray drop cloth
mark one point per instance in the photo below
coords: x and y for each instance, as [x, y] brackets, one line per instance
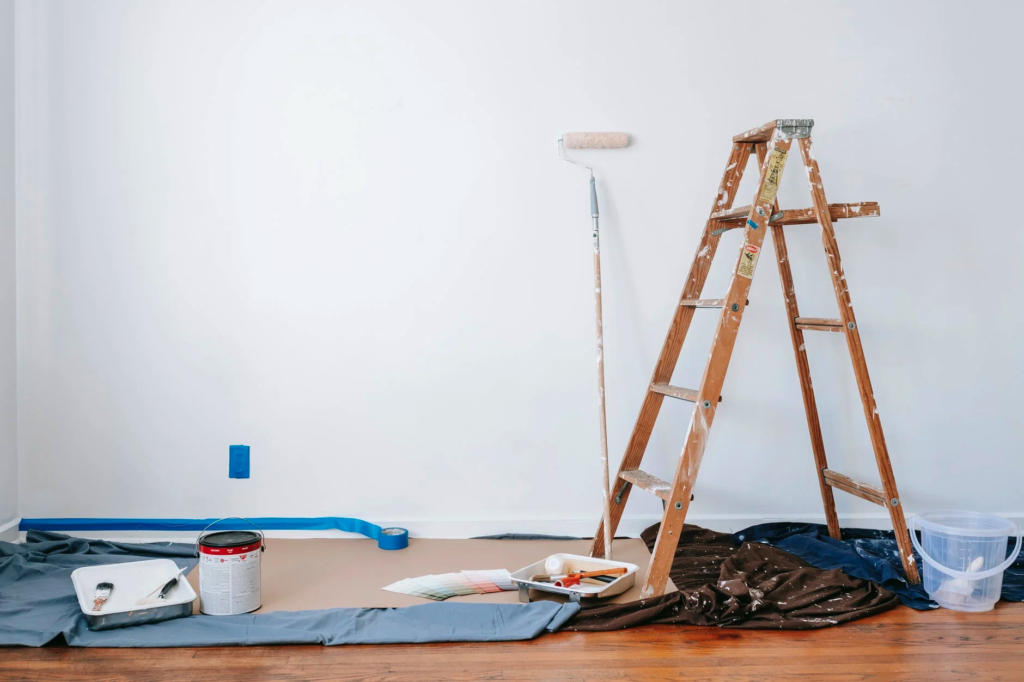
[38, 605]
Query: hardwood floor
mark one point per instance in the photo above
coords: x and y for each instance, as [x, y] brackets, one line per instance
[898, 645]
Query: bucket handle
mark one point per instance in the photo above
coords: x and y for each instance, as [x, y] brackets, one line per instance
[263, 537]
[963, 575]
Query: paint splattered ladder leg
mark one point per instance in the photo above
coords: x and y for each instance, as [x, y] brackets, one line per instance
[891, 498]
[641, 435]
[802, 367]
[718, 363]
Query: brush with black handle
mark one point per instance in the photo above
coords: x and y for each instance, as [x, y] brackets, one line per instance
[163, 588]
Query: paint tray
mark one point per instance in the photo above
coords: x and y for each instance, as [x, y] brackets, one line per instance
[575, 562]
[132, 580]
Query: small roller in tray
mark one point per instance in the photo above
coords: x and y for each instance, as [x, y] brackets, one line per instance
[544, 576]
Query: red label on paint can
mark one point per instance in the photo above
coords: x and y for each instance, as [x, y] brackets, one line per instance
[245, 549]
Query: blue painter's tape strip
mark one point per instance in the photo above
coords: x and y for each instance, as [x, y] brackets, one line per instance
[393, 538]
[752, 224]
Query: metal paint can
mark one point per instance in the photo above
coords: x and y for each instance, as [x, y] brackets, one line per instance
[229, 571]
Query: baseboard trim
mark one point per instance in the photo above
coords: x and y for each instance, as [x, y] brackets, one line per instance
[631, 526]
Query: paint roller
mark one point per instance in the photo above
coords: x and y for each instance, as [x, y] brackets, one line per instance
[597, 141]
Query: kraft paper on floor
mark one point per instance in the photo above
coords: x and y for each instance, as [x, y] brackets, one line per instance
[325, 573]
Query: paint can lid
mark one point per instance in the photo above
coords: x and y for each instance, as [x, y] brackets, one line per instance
[230, 538]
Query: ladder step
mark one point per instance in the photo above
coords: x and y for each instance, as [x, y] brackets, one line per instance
[687, 394]
[702, 302]
[805, 216]
[705, 302]
[821, 324]
[648, 482]
[862, 490]
[736, 217]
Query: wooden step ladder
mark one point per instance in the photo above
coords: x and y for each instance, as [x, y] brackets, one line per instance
[771, 142]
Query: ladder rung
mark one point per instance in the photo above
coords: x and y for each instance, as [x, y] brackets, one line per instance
[821, 324]
[862, 490]
[732, 214]
[652, 484]
[703, 302]
[687, 394]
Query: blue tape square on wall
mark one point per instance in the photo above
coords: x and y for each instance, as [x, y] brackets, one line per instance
[238, 461]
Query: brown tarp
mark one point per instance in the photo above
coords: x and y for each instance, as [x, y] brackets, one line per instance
[747, 586]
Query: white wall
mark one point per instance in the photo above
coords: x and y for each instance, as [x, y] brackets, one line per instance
[8, 338]
[340, 233]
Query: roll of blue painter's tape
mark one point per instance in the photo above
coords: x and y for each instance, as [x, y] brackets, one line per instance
[393, 538]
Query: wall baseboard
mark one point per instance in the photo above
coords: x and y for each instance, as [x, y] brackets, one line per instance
[629, 527]
[9, 531]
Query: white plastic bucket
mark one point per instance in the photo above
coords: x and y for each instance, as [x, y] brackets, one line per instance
[229, 571]
[964, 556]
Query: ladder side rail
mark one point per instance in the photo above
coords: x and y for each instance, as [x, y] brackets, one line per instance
[669, 355]
[715, 370]
[803, 367]
[860, 367]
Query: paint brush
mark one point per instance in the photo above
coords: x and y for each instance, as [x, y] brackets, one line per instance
[574, 578]
[163, 588]
[101, 596]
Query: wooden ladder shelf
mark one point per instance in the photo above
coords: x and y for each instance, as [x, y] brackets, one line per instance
[771, 142]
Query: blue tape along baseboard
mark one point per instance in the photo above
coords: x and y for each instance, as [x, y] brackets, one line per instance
[387, 538]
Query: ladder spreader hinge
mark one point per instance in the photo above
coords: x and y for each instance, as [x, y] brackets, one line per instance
[794, 128]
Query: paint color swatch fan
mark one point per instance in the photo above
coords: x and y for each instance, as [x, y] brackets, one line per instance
[440, 587]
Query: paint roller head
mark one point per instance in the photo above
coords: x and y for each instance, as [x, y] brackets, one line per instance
[595, 140]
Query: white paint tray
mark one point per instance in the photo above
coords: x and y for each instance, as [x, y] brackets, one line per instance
[132, 580]
[576, 563]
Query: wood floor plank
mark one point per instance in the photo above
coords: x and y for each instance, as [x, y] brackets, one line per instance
[901, 644]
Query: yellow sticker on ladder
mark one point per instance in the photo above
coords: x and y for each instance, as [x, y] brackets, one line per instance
[771, 180]
[748, 261]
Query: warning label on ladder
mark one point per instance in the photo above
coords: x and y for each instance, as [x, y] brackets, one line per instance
[748, 261]
[771, 179]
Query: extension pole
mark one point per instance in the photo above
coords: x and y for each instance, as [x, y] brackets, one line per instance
[597, 141]
[606, 488]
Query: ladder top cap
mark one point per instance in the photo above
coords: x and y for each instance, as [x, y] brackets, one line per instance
[787, 127]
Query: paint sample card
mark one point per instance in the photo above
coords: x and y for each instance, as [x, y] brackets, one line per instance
[442, 586]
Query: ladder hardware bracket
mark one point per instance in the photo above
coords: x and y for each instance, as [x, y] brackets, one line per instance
[794, 128]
